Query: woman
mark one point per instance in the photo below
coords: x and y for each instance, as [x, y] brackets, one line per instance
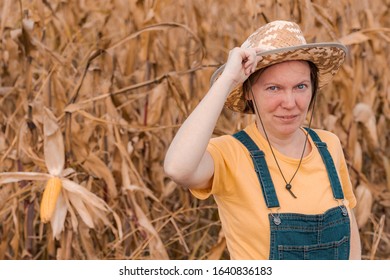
[283, 191]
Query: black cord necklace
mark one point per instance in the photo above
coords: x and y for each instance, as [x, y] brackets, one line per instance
[288, 184]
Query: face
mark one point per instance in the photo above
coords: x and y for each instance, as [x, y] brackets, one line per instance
[282, 94]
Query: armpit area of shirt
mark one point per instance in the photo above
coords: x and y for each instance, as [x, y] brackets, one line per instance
[201, 193]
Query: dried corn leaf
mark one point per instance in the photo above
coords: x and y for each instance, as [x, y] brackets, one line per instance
[12, 177]
[358, 157]
[85, 195]
[81, 209]
[364, 114]
[147, 192]
[95, 166]
[155, 244]
[354, 38]
[156, 105]
[58, 219]
[218, 249]
[87, 243]
[364, 204]
[386, 163]
[53, 145]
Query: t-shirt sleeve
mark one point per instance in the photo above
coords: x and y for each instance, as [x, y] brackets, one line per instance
[346, 181]
[215, 147]
[336, 150]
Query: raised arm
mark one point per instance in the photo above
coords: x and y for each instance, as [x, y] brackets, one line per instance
[187, 162]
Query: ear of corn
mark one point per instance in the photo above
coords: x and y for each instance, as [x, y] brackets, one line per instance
[49, 198]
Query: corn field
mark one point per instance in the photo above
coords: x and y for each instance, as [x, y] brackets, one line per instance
[92, 92]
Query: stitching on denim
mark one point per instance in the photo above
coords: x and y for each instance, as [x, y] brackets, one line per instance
[309, 248]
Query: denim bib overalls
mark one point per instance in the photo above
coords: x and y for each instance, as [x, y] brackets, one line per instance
[299, 236]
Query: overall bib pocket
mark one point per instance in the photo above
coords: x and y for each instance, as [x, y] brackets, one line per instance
[311, 237]
[335, 250]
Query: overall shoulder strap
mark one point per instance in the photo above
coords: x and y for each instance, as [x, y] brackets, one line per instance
[261, 168]
[329, 164]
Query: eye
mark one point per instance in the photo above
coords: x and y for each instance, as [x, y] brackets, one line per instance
[272, 88]
[301, 86]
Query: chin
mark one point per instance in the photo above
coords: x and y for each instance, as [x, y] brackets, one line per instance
[289, 129]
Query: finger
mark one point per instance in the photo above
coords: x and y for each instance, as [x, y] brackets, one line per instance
[257, 60]
[251, 63]
[250, 69]
[259, 50]
[249, 57]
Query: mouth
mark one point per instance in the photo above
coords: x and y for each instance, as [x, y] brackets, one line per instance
[287, 117]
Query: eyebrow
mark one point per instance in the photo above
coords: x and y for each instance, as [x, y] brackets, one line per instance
[277, 84]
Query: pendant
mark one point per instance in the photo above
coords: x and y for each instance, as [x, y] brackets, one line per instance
[288, 187]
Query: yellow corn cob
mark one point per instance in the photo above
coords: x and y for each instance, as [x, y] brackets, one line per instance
[49, 198]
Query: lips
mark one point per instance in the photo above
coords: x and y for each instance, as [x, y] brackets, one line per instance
[287, 117]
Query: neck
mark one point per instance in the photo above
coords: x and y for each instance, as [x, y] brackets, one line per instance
[290, 145]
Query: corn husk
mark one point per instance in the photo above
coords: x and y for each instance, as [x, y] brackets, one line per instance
[364, 204]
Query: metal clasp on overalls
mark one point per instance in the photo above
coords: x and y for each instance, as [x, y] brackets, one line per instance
[276, 216]
[342, 206]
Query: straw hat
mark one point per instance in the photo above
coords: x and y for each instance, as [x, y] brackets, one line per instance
[284, 41]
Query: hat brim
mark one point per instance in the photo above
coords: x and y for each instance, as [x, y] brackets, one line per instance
[328, 57]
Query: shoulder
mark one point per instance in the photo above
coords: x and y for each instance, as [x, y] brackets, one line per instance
[332, 142]
[327, 136]
[224, 141]
[229, 147]
[225, 144]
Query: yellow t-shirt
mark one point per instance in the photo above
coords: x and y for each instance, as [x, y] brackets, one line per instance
[237, 191]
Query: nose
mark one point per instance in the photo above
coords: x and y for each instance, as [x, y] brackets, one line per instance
[288, 99]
